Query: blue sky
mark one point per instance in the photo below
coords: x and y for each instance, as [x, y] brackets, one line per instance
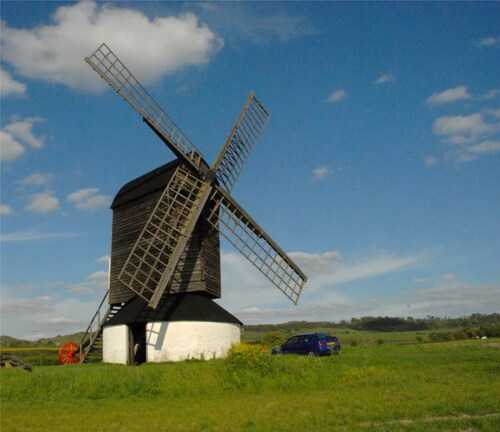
[378, 171]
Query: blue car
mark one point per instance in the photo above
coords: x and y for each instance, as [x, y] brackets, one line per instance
[312, 344]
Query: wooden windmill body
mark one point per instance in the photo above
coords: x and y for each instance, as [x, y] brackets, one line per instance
[165, 257]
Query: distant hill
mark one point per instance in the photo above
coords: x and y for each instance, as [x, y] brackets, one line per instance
[385, 324]
[56, 341]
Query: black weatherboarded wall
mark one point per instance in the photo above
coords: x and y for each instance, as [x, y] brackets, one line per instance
[199, 266]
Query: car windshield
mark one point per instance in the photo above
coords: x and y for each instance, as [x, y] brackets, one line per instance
[323, 335]
[292, 340]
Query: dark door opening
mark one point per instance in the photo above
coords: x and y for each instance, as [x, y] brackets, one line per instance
[137, 338]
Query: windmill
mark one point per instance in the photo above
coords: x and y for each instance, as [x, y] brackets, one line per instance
[165, 259]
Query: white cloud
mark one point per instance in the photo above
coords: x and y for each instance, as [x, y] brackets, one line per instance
[452, 301]
[486, 147]
[31, 304]
[247, 288]
[15, 136]
[61, 320]
[448, 276]
[99, 276]
[44, 316]
[23, 130]
[244, 283]
[443, 277]
[387, 77]
[9, 86]
[88, 199]
[257, 25]
[10, 149]
[455, 300]
[431, 160]
[103, 259]
[330, 309]
[35, 179]
[44, 202]
[337, 96]
[315, 264]
[450, 95]
[490, 94]
[21, 236]
[460, 139]
[471, 125]
[96, 282]
[364, 269]
[463, 132]
[321, 173]
[51, 312]
[5, 209]
[488, 41]
[461, 156]
[149, 47]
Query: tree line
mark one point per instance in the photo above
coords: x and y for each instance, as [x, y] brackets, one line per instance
[387, 324]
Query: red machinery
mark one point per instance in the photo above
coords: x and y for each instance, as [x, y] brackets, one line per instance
[69, 353]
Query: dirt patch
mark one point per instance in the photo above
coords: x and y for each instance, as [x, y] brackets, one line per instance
[431, 419]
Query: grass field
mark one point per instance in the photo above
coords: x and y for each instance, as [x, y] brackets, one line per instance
[348, 336]
[451, 386]
[39, 356]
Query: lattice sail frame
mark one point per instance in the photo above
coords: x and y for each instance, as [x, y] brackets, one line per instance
[236, 225]
[240, 143]
[116, 74]
[152, 261]
[154, 257]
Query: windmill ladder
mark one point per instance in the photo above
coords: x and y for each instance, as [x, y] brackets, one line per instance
[91, 342]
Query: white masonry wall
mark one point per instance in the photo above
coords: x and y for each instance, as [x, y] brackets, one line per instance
[115, 344]
[182, 340]
[172, 341]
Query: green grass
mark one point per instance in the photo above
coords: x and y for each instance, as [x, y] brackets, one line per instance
[427, 387]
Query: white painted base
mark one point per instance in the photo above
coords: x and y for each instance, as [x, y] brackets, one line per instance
[115, 344]
[173, 341]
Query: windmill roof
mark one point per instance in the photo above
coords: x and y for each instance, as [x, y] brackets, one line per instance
[195, 306]
[148, 183]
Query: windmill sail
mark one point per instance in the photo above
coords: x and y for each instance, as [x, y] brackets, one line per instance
[236, 225]
[240, 142]
[149, 268]
[116, 74]
[154, 257]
